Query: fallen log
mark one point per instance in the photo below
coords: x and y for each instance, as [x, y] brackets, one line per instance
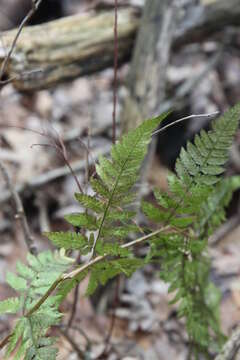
[202, 21]
[65, 49]
[83, 44]
[151, 56]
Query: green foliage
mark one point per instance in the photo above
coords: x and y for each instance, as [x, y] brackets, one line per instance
[10, 306]
[70, 240]
[116, 178]
[106, 270]
[221, 195]
[193, 208]
[31, 282]
[107, 220]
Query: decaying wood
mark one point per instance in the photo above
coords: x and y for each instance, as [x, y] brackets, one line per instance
[147, 76]
[83, 44]
[67, 48]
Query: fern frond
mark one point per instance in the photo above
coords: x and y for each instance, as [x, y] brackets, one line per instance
[203, 161]
[212, 213]
[185, 266]
[31, 282]
[116, 177]
[106, 217]
[106, 270]
[120, 173]
[194, 207]
[196, 173]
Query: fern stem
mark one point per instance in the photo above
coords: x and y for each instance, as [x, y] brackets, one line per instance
[145, 237]
[193, 116]
[45, 296]
[87, 266]
[97, 259]
[5, 341]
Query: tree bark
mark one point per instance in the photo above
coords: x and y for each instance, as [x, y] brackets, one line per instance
[147, 77]
[82, 44]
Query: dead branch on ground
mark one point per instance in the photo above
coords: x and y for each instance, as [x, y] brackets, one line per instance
[83, 44]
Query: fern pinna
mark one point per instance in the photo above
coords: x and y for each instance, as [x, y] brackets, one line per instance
[186, 215]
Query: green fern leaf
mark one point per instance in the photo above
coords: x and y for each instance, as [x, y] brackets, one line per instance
[15, 336]
[106, 270]
[83, 221]
[112, 249]
[32, 281]
[10, 306]
[107, 212]
[70, 240]
[119, 174]
[68, 285]
[17, 283]
[90, 202]
[212, 212]
[194, 205]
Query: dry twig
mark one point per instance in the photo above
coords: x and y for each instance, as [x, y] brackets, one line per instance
[80, 353]
[231, 347]
[55, 174]
[20, 213]
[76, 290]
[116, 295]
[35, 5]
[115, 71]
[225, 229]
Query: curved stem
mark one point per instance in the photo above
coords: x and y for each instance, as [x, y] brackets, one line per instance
[74, 274]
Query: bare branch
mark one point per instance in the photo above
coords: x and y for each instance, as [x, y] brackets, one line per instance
[35, 5]
[55, 174]
[231, 347]
[115, 71]
[20, 213]
[80, 353]
[116, 296]
[184, 119]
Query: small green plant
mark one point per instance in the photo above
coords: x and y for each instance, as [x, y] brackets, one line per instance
[186, 216]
